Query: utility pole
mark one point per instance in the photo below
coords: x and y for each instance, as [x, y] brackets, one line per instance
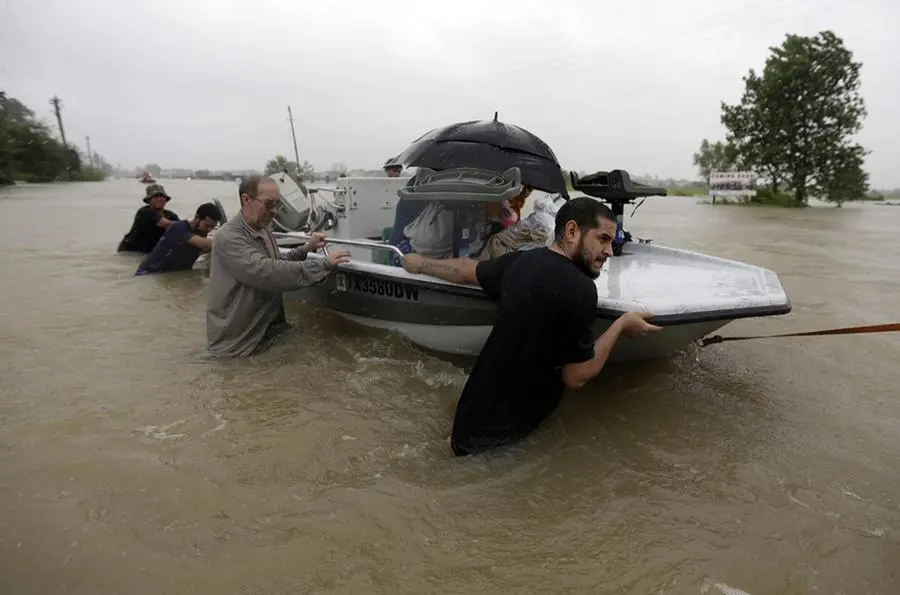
[90, 157]
[294, 137]
[55, 102]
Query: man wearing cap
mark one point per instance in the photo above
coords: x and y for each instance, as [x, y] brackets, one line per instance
[150, 222]
[392, 170]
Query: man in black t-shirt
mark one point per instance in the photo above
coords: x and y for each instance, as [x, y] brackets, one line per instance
[150, 222]
[542, 340]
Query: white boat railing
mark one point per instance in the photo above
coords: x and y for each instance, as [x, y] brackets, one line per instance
[339, 241]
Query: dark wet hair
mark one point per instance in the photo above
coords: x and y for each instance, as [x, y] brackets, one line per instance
[209, 210]
[584, 211]
[250, 185]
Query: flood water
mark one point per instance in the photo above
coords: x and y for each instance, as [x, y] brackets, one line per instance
[129, 466]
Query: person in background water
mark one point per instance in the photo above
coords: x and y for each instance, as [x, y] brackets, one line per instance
[543, 340]
[247, 274]
[150, 222]
[181, 244]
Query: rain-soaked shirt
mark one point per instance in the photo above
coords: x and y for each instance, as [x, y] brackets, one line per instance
[546, 310]
[247, 276]
[144, 232]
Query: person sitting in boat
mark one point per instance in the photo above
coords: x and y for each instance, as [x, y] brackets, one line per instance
[150, 222]
[534, 231]
[393, 170]
[405, 212]
[544, 330]
[431, 232]
[183, 241]
[507, 213]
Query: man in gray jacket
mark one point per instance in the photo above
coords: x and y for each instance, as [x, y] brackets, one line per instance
[248, 274]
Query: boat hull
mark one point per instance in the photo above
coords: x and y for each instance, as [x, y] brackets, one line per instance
[468, 340]
[457, 320]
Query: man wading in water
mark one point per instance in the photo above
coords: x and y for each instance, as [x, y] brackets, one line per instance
[180, 246]
[542, 340]
[150, 222]
[247, 274]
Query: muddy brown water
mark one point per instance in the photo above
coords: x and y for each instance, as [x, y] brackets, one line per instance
[128, 466]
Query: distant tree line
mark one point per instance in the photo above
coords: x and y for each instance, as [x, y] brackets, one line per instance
[29, 151]
[281, 164]
[306, 172]
[795, 123]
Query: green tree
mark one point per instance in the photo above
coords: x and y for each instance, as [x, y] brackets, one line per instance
[153, 169]
[7, 151]
[802, 109]
[846, 180]
[712, 157]
[280, 164]
[28, 149]
[101, 164]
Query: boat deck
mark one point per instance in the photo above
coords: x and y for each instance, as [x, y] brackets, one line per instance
[688, 285]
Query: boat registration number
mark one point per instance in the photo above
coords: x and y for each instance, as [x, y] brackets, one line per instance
[380, 287]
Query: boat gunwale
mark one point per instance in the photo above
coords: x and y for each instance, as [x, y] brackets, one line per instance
[602, 312]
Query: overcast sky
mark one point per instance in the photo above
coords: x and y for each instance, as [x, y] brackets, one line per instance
[206, 84]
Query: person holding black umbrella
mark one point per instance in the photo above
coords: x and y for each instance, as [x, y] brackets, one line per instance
[488, 144]
[484, 144]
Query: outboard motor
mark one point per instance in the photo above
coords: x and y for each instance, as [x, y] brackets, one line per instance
[615, 188]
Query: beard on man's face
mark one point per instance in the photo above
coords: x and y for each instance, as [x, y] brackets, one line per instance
[583, 261]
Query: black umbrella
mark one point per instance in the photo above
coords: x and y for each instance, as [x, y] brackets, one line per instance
[487, 144]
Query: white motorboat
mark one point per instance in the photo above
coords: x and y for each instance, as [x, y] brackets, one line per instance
[691, 294]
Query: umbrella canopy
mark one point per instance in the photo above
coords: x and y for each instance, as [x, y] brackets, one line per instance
[488, 144]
